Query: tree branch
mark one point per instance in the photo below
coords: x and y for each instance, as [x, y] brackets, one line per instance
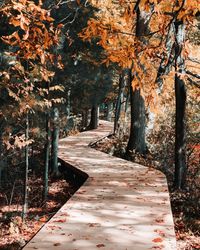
[196, 84]
[193, 74]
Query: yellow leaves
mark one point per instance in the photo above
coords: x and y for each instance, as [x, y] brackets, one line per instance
[41, 73]
[17, 6]
[19, 142]
[57, 87]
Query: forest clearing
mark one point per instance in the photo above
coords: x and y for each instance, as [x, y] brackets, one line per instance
[66, 65]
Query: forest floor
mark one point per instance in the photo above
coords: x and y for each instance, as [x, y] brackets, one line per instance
[14, 233]
[185, 204]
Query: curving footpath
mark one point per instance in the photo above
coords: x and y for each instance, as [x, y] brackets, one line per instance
[121, 205]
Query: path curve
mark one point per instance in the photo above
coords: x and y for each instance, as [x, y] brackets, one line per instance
[121, 206]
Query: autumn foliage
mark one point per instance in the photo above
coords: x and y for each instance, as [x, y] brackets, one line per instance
[115, 28]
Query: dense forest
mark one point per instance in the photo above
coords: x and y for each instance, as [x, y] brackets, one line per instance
[66, 64]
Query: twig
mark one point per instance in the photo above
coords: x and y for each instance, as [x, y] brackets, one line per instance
[12, 192]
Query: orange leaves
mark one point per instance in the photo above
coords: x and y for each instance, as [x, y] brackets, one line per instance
[13, 142]
[12, 39]
[36, 37]
[189, 10]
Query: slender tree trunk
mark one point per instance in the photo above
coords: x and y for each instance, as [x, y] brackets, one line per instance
[47, 156]
[68, 107]
[118, 105]
[94, 117]
[109, 112]
[120, 112]
[55, 139]
[25, 205]
[180, 94]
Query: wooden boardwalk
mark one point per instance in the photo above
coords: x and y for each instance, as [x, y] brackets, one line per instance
[121, 206]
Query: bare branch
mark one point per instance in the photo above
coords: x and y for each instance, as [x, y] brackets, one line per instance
[196, 84]
[193, 74]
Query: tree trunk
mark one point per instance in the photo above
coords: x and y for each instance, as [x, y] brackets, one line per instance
[180, 147]
[180, 94]
[137, 140]
[109, 111]
[120, 111]
[68, 107]
[25, 205]
[55, 139]
[85, 118]
[47, 157]
[137, 131]
[118, 105]
[94, 117]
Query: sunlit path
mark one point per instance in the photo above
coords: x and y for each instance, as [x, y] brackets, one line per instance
[122, 205]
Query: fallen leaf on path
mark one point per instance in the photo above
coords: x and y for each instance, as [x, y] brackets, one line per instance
[100, 245]
[61, 220]
[157, 240]
[57, 244]
[159, 220]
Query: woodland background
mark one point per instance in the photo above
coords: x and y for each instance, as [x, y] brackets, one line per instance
[64, 64]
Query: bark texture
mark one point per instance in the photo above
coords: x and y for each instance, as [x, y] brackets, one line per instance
[137, 140]
[26, 187]
[55, 139]
[120, 110]
[137, 131]
[94, 120]
[47, 156]
[180, 94]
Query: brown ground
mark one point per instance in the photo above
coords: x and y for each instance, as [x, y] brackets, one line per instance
[13, 232]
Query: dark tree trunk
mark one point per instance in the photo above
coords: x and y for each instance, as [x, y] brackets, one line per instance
[94, 117]
[180, 147]
[137, 131]
[47, 156]
[137, 140]
[180, 94]
[85, 118]
[26, 187]
[55, 139]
